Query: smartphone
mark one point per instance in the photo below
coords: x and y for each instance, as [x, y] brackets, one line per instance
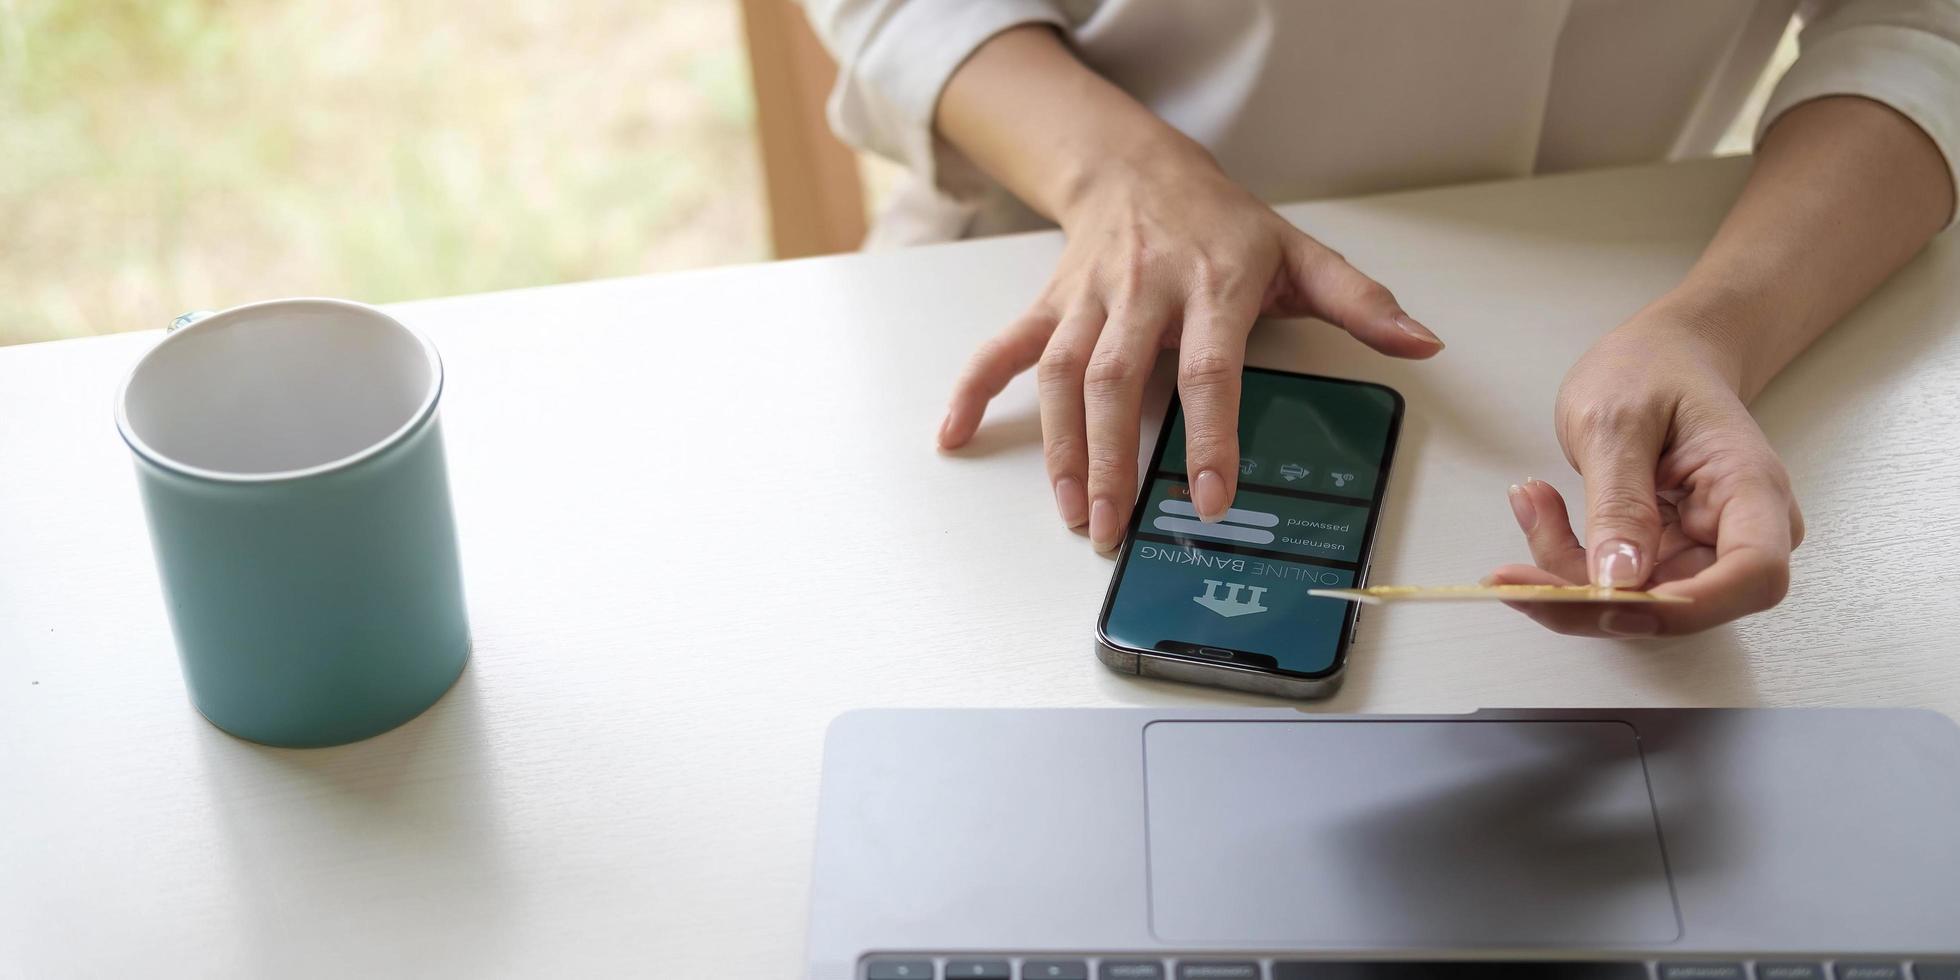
[1226, 603]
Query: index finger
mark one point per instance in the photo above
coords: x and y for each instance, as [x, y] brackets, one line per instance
[1210, 364]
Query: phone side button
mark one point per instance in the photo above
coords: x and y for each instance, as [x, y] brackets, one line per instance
[1354, 629]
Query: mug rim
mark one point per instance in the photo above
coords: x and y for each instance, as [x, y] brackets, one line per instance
[423, 411]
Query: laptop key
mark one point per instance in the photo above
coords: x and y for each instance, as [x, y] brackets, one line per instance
[1702, 971]
[1054, 970]
[1869, 971]
[1235, 970]
[1936, 971]
[898, 970]
[979, 970]
[1130, 970]
[1790, 971]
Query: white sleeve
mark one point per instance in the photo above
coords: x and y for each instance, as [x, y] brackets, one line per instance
[1903, 53]
[894, 57]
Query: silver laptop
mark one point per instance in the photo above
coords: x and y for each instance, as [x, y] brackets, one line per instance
[1278, 845]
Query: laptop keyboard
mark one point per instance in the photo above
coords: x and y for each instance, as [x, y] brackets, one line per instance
[1137, 968]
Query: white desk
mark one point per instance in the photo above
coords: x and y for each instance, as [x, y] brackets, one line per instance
[701, 517]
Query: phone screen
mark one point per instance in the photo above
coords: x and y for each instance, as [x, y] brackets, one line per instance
[1313, 466]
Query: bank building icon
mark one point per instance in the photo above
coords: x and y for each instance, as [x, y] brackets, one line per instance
[1231, 605]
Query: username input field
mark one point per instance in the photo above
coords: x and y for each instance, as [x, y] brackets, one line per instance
[1194, 528]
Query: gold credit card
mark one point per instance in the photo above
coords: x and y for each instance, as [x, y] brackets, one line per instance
[1377, 594]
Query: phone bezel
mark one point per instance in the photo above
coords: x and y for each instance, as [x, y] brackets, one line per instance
[1375, 507]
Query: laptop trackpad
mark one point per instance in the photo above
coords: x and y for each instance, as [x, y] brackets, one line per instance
[1406, 834]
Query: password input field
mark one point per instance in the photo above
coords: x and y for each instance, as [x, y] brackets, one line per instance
[1250, 518]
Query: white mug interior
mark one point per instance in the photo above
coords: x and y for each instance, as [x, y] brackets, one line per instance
[278, 389]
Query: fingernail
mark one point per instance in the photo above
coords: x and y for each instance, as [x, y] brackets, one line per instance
[1102, 525]
[1621, 622]
[1071, 502]
[1522, 509]
[1408, 325]
[1208, 495]
[1616, 565]
[945, 424]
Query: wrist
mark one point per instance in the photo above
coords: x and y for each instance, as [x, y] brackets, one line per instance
[1721, 326]
[1132, 158]
[1054, 133]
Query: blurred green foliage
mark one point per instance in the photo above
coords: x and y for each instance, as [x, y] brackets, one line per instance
[161, 155]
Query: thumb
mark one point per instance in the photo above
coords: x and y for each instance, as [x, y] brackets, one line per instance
[1322, 284]
[1623, 522]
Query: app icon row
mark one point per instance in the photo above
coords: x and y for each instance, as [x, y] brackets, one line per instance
[1296, 474]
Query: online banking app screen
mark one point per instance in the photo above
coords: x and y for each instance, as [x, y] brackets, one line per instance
[1311, 461]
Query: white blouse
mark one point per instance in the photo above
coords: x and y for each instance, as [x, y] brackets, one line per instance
[1300, 99]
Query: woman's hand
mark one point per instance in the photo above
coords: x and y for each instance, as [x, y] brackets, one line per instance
[1165, 251]
[1684, 495]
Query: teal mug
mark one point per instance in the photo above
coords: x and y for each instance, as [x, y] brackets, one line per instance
[290, 461]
